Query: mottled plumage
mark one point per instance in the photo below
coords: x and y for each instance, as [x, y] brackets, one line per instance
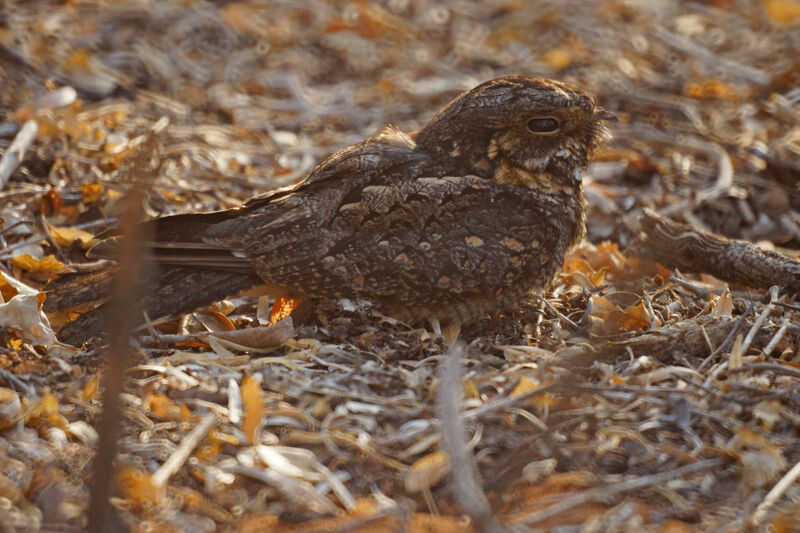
[453, 222]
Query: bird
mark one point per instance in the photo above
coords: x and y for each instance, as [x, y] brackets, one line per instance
[451, 223]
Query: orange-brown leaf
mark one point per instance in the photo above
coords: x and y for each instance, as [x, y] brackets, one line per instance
[46, 265]
[557, 58]
[65, 236]
[427, 471]
[7, 291]
[137, 486]
[164, 407]
[783, 12]
[89, 390]
[253, 407]
[92, 192]
[282, 308]
[49, 202]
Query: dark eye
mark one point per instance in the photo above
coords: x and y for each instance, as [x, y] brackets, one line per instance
[543, 125]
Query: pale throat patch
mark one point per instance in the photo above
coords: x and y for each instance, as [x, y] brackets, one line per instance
[509, 174]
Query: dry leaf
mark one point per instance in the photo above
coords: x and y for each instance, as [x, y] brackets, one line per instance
[427, 472]
[65, 236]
[761, 461]
[78, 60]
[558, 58]
[22, 313]
[524, 386]
[258, 338]
[470, 389]
[92, 192]
[164, 407]
[215, 321]
[89, 391]
[602, 306]
[768, 413]
[253, 407]
[137, 486]
[50, 201]
[783, 12]
[7, 290]
[282, 308]
[245, 18]
[710, 89]
[631, 319]
[723, 305]
[46, 265]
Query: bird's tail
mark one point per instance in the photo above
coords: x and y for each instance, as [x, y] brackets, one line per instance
[165, 291]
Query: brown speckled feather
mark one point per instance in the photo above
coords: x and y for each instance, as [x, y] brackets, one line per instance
[456, 221]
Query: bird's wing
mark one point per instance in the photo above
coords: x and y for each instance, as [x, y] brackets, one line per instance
[460, 235]
[216, 239]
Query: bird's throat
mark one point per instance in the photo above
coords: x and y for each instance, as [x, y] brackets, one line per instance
[509, 174]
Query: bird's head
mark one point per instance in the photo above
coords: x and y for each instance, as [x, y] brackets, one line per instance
[518, 129]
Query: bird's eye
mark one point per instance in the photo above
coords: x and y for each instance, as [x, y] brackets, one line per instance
[543, 125]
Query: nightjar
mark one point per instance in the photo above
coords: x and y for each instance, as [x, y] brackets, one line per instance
[456, 221]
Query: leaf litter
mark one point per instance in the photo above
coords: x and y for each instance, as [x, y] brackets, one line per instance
[633, 396]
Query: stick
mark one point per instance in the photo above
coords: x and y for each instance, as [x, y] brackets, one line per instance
[775, 494]
[16, 151]
[742, 263]
[464, 477]
[616, 488]
[179, 456]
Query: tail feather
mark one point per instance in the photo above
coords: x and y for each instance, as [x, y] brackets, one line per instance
[168, 292]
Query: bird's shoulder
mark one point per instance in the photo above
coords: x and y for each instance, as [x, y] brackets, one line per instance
[391, 154]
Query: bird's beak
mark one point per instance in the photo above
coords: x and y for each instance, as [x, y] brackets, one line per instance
[602, 114]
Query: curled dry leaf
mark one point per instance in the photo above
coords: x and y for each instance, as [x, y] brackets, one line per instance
[282, 308]
[22, 312]
[782, 12]
[92, 192]
[215, 321]
[609, 318]
[723, 304]
[164, 407]
[259, 337]
[65, 236]
[46, 265]
[138, 488]
[253, 407]
[768, 413]
[427, 471]
[558, 58]
[761, 460]
[89, 391]
[523, 386]
[46, 410]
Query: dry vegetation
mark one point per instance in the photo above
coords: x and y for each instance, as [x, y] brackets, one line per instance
[636, 397]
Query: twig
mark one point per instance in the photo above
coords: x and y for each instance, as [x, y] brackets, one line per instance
[773, 296]
[259, 338]
[16, 151]
[550, 307]
[603, 493]
[682, 246]
[728, 339]
[691, 48]
[294, 490]
[777, 368]
[777, 337]
[464, 477]
[507, 402]
[724, 179]
[179, 456]
[775, 494]
[122, 316]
